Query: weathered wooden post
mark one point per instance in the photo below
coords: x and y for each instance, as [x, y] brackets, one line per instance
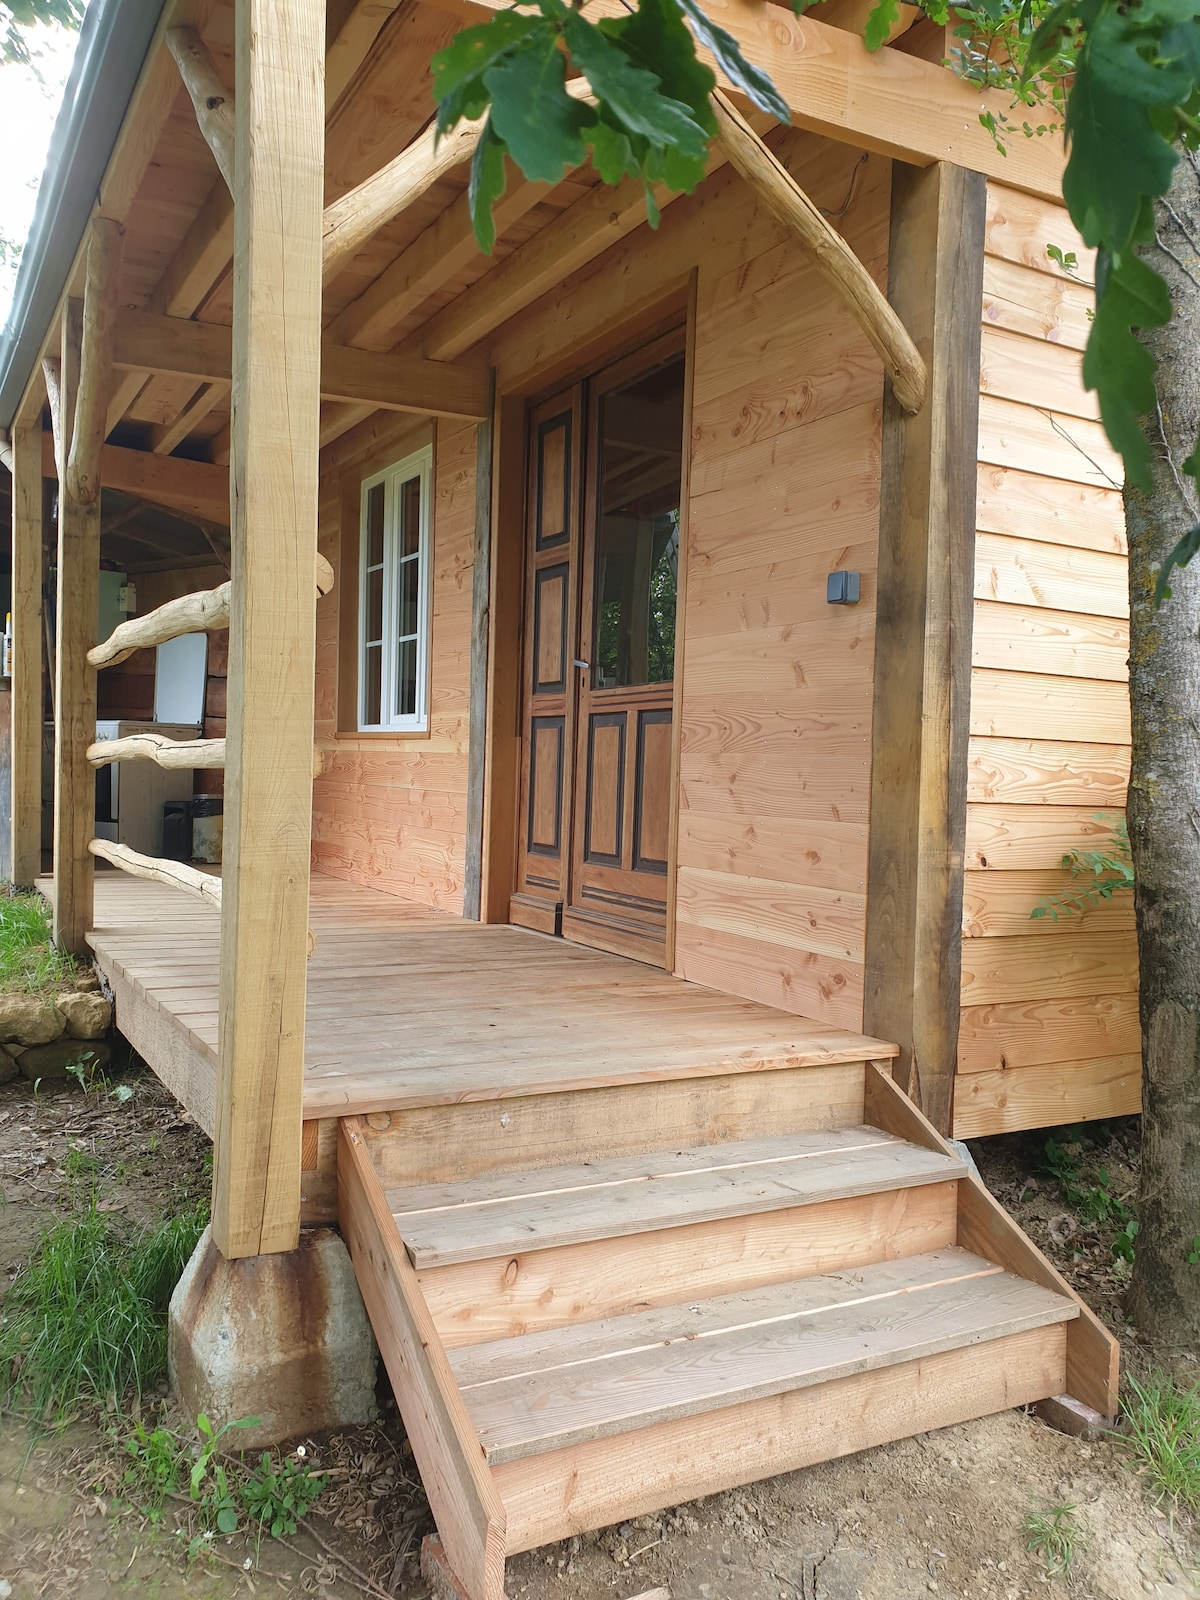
[26, 729]
[79, 417]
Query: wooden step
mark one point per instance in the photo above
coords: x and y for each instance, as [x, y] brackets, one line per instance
[509, 1213]
[545, 1391]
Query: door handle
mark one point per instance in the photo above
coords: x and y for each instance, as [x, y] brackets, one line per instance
[584, 664]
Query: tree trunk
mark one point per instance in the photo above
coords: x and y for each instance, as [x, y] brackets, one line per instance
[1164, 795]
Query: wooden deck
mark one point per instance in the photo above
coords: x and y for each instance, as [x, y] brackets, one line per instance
[413, 1007]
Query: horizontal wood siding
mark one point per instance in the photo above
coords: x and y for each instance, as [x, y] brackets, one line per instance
[1049, 1023]
[389, 811]
[776, 707]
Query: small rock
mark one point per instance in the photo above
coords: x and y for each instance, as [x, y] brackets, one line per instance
[88, 1016]
[50, 1061]
[28, 1020]
[8, 1067]
[88, 982]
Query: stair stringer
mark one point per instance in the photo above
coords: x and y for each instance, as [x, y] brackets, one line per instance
[986, 1229]
[463, 1497]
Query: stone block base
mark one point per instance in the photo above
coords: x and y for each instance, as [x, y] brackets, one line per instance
[284, 1338]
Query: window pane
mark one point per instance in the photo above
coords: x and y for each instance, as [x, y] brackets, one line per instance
[410, 574]
[373, 667]
[637, 538]
[406, 678]
[410, 517]
[375, 604]
[374, 540]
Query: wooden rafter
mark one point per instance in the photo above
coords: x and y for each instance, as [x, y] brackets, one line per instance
[203, 350]
[195, 487]
[212, 101]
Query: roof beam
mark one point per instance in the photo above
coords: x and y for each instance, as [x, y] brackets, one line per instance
[888, 102]
[195, 487]
[177, 347]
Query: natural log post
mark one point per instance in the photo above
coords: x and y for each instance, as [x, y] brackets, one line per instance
[86, 337]
[77, 603]
[783, 197]
[99, 312]
[279, 49]
[212, 100]
[27, 712]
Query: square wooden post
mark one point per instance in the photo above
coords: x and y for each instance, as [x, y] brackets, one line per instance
[278, 183]
[923, 635]
[27, 707]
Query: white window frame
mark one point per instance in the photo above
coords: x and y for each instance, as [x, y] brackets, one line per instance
[418, 465]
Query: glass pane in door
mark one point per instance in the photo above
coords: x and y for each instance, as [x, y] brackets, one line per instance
[637, 529]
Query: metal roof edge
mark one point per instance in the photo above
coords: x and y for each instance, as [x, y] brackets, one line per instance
[113, 42]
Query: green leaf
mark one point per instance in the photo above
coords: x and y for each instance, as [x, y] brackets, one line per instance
[227, 1520]
[486, 186]
[1116, 158]
[612, 153]
[657, 37]
[884, 15]
[1179, 557]
[751, 80]
[533, 113]
[630, 94]
[471, 52]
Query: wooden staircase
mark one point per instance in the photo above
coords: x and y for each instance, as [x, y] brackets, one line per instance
[585, 1320]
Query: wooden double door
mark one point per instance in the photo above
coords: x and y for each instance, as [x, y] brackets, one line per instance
[602, 558]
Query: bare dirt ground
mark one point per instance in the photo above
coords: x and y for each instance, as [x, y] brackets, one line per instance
[941, 1515]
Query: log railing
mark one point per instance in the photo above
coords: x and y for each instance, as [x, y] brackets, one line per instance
[191, 613]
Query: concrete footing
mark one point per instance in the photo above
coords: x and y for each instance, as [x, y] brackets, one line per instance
[284, 1338]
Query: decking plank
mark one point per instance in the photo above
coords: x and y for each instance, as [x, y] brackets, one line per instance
[594, 1208]
[903, 1311]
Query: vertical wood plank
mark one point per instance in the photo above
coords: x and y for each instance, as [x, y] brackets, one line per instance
[506, 631]
[681, 574]
[480, 608]
[26, 732]
[923, 634]
[77, 603]
[279, 86]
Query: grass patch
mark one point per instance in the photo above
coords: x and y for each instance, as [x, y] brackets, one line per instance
[1055, 1537]
[1164, 1436]
[29, 959]
[87, 1317]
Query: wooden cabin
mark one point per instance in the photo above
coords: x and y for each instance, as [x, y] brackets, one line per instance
[632, 834]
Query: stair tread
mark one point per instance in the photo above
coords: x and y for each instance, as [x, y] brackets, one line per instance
[504, 1214]
[545, 1391]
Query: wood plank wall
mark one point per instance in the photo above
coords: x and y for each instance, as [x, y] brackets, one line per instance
[776, 725]
[1049, 1028]
[389, 810]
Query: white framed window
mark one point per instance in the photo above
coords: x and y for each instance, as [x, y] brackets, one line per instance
[393, 602]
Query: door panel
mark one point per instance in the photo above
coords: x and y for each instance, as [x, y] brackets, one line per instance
[551, 629]
[617, 895]
[602, 555]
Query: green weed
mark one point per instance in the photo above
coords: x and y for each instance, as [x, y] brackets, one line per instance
[87, 1316]
[1055, 1537]
[1094, 1202]
[1164, 1436]
[29, 959]
[277, 1497]
[1107, 872]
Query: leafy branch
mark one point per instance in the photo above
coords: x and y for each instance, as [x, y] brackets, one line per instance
[1109, 871]
[16, 16]
[652, 117]
[1122, 78]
